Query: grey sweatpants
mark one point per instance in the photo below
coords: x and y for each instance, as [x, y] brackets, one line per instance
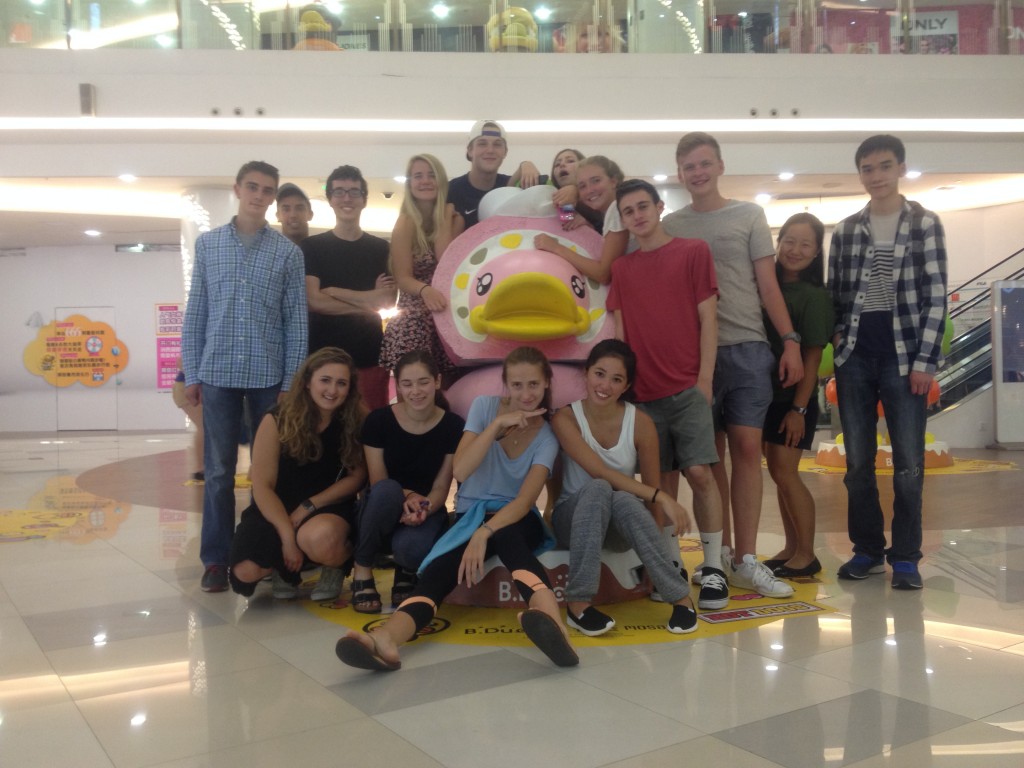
[598, 516]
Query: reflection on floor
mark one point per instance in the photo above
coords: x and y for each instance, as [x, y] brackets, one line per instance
[111, 656]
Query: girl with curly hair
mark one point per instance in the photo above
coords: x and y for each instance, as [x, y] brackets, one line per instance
[307, 466]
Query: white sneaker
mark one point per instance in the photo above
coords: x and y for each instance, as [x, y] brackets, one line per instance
[754, 575]
[329, 586]
[281, 589]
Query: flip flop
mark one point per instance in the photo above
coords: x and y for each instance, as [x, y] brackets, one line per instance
[352, 652]
[545, 633]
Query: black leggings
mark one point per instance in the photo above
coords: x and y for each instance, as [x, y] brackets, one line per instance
[514, 545]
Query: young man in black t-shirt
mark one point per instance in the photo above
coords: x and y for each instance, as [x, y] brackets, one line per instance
[347, 285]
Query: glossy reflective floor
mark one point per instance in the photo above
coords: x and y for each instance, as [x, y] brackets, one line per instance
[110, 655]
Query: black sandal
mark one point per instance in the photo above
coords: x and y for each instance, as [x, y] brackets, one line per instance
[365, 597]
[404, 584]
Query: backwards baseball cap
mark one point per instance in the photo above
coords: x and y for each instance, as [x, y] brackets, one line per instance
[486, 128]
[290, 190]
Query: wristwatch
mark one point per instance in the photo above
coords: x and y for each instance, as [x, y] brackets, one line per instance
[802, 410]
[309, 506]
[792, 336]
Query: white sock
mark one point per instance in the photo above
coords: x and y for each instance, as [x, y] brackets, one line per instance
[711, 543]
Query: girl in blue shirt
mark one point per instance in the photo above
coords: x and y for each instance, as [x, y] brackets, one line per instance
[503, 460]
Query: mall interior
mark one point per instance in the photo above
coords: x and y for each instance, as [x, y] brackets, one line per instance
[123, 123]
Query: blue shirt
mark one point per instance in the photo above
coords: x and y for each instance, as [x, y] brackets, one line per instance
[245, 322]
[499, 478]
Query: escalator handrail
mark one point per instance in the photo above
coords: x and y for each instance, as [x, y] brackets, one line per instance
[981, 275]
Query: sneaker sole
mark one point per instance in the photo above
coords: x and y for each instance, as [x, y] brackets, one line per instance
[318, 596]
[907, 587]
[712, 605]
[860, 576]
[682, 630]
[588, 632]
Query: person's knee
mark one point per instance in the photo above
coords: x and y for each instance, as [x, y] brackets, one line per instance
[324, 544]
[249, 572]
[700, 478]
[745, 445]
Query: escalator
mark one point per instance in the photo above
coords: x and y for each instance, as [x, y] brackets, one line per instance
[968, 367]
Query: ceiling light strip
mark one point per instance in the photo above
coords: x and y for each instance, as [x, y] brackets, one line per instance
[370, 125]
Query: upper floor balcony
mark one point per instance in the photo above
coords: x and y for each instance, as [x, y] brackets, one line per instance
[873, 27]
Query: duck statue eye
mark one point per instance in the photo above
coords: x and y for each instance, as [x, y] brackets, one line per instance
[484, 283]
[579, 286]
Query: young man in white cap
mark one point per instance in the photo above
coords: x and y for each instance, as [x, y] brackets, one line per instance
[486, 152]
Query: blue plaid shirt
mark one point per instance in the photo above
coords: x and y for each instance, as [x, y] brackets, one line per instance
[918, 283]
[245, 323]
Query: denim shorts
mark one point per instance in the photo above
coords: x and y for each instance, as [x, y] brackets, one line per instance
[686, 432]
[743, 384]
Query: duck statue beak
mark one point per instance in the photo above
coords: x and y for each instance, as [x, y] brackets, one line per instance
[530, 306]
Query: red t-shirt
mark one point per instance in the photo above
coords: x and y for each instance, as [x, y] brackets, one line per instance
[658, 292]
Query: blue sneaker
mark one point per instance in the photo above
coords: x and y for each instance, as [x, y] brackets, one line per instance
[905, 575]
[860, 567]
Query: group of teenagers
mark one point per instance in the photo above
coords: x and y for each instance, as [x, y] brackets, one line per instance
[719, 332]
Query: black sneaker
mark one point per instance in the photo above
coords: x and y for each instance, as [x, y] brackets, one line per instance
[656, 595]
[714, 589]
[683, 620]
[591, 622]
[215, 579]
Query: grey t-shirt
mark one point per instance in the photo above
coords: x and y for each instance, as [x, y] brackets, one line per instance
[738, 235]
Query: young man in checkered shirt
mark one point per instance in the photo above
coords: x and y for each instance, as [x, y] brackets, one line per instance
[887, 273]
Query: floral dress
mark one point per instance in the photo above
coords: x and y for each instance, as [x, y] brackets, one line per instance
[413, 326]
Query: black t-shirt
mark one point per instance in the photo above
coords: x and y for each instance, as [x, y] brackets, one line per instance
[466, 198]
[354, 265]
[412, 460]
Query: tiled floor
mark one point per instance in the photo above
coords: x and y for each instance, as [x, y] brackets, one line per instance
[111, 656]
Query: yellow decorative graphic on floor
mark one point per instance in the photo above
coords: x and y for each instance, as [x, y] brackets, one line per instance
[637, 621]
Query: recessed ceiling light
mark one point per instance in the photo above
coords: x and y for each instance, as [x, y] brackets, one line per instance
[913, 175]
[660, 177]
[92, 232]
[440, 10]
[763, 199]
[399, 179]
[785, 176]
[128, 178]
[542, 14]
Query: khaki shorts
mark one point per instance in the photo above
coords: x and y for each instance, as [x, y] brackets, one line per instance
[686, 431]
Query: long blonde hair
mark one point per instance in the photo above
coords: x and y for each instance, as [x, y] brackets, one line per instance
[298, 417]
[423, 239]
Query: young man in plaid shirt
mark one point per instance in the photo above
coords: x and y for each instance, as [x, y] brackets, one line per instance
[887, 273]
[244, 337]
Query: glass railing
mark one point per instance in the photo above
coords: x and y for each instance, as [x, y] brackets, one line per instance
[601, 26]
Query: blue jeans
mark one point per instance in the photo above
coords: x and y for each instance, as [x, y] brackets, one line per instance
[381, 531]
[861, 382]
[222, 426]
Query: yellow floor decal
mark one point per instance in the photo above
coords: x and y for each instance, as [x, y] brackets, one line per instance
[960, 467]
[636, 621]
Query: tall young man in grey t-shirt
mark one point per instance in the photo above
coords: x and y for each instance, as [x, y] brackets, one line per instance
[741, 245]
